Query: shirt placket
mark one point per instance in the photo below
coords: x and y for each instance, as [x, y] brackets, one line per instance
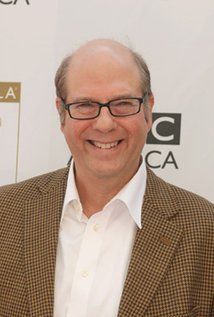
[87, 264]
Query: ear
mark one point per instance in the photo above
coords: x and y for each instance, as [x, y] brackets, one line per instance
[149, 108]
[58, 104]
[60, 112]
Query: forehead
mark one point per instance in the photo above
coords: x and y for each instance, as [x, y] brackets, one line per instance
[101, 67]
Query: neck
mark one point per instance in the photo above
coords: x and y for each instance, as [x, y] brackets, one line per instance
[96, 192]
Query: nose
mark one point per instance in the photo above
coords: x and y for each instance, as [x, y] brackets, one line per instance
[105, 122]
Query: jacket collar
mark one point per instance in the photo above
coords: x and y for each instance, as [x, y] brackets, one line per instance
[160, 195]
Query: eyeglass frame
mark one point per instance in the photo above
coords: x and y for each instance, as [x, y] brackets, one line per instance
[102, 105]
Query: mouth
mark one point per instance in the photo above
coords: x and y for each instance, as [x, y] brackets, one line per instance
[105, 146]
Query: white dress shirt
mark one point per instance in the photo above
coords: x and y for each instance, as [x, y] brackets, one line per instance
[93, 253]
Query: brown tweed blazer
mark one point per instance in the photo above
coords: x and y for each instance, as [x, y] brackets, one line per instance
[171, 273]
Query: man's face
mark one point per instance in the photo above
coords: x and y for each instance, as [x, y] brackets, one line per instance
[105, 147]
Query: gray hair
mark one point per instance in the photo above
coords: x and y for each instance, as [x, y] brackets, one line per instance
[60, 79]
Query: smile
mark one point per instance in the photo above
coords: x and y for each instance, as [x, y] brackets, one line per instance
[105, 146]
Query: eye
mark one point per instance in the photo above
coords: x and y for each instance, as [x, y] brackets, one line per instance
[84, 107]
[123, 103]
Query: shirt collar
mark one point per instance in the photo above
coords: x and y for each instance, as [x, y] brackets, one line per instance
[71, 193]
[131, 194]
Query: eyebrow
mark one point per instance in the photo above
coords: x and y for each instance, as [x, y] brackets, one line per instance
[81, 99]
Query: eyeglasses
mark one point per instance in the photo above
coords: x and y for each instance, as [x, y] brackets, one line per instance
[86, 110]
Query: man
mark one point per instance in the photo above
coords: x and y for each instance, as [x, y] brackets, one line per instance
[105, 237]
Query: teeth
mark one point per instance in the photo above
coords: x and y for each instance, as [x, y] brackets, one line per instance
[105, 145]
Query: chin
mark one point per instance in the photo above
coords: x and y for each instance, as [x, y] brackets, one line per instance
[105, 170]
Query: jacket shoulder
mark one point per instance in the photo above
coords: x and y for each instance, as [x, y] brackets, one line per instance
[196, 214]
[32, 187]
[191, 200]
[170, 197]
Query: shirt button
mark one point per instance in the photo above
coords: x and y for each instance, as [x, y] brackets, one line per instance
[96, 227]
[85, 274]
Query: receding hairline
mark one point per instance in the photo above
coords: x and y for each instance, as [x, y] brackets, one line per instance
[95, 46]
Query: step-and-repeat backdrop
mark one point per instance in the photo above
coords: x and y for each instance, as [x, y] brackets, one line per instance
[175, 37]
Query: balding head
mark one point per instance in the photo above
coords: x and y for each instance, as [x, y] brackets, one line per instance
[105, 47]
[103, 51]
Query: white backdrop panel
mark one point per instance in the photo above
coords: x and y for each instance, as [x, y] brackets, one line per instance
[176, 39]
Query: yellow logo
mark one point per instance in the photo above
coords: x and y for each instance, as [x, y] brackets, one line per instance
[10, 92]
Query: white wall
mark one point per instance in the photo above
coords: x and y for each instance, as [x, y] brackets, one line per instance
[175, 37]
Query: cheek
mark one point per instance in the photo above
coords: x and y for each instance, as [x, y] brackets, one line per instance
[73, 131]
[138, 129]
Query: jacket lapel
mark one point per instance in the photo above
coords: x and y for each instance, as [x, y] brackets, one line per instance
[153, 248]
[42, 217]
